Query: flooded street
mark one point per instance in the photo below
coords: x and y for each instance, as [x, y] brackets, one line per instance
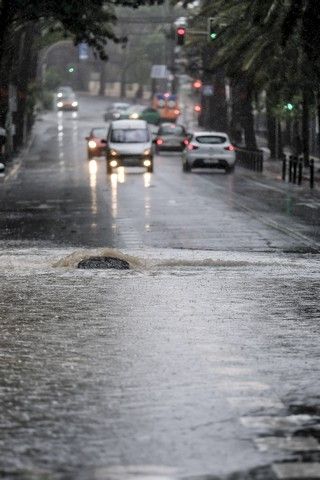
[200, 361]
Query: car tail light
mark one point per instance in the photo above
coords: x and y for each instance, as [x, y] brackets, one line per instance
[177, 112]
[230, 148]
[192, 147]
[159, 141]
[186, 141]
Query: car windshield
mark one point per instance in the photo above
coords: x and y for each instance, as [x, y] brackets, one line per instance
[171, 130]
[132, 135]
[136, 109]
[68, 96]
[211, 139]
[99, 132]
[119, 106]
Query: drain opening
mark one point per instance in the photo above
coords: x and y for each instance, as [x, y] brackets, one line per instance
[104, 263]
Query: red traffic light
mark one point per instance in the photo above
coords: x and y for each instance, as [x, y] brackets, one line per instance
[197, 84]
[197, 108]
[180, 35]
[181, 31]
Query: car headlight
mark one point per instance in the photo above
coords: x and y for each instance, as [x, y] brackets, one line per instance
[74, 104]
[92, 144]
[116, 115]
[113, 153]
[60, 104]
[147, 151]
[134, 116]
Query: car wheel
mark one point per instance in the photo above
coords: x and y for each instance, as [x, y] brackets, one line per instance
[229, 169]
[150, 169]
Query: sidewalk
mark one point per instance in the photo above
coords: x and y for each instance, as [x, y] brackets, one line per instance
[272, 170]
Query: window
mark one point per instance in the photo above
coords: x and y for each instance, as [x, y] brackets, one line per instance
[171, 130]
[99, 132]
[211, 139]
[132, 135]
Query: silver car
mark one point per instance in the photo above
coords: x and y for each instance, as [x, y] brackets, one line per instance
[129, 144]
[209, 150]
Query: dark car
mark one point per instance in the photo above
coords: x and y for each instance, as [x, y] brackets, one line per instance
[67, 101]
[113, 112]
[171, 137]
[96, 142]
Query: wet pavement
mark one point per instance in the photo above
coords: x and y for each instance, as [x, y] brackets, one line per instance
[200, 361]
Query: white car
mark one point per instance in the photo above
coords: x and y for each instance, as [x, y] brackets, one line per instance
[209, 150]
[129, 143]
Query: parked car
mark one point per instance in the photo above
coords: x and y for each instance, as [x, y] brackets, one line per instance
[68, 101]
[113, 112]
[171, 137]
[96, 145]
[209, 150]
[129, 144]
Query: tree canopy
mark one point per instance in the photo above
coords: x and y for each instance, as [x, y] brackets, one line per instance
[86, 20]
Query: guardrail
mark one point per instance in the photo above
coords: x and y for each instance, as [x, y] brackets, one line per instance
[294, 169]
[250, 159]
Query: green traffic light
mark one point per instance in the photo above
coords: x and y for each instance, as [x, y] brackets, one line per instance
[213, 35]
[70, 69]
[289, 106]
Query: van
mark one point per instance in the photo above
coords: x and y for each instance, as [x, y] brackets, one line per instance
[129, 144]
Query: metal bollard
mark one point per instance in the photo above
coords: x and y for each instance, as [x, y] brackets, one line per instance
[290, 168]
[311, 165]
[261, 162]
[295, 164]
[300, 167]
[284, 168]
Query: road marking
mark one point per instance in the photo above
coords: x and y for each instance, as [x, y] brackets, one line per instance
[298, 471]
[253, 403]
[277, 423]
[245, 385]
[293, 444]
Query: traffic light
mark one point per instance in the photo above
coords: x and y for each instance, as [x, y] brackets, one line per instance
[289, 107]
[180, 35]
[71, 68]
[197, 84]
[212, 30]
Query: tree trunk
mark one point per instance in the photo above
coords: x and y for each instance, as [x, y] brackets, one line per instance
[4, 71]
[271, 126]
[102, 78]
[318, 119]
[305, 126]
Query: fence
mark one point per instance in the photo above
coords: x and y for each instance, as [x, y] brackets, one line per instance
[294, 169]
[250, 159]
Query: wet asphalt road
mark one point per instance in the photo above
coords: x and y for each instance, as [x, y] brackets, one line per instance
[202, 360]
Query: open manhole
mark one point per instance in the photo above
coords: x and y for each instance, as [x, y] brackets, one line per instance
[102, 262]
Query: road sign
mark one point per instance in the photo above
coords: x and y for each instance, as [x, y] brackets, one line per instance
[83, 49]
[159, 71]
[207, 90]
